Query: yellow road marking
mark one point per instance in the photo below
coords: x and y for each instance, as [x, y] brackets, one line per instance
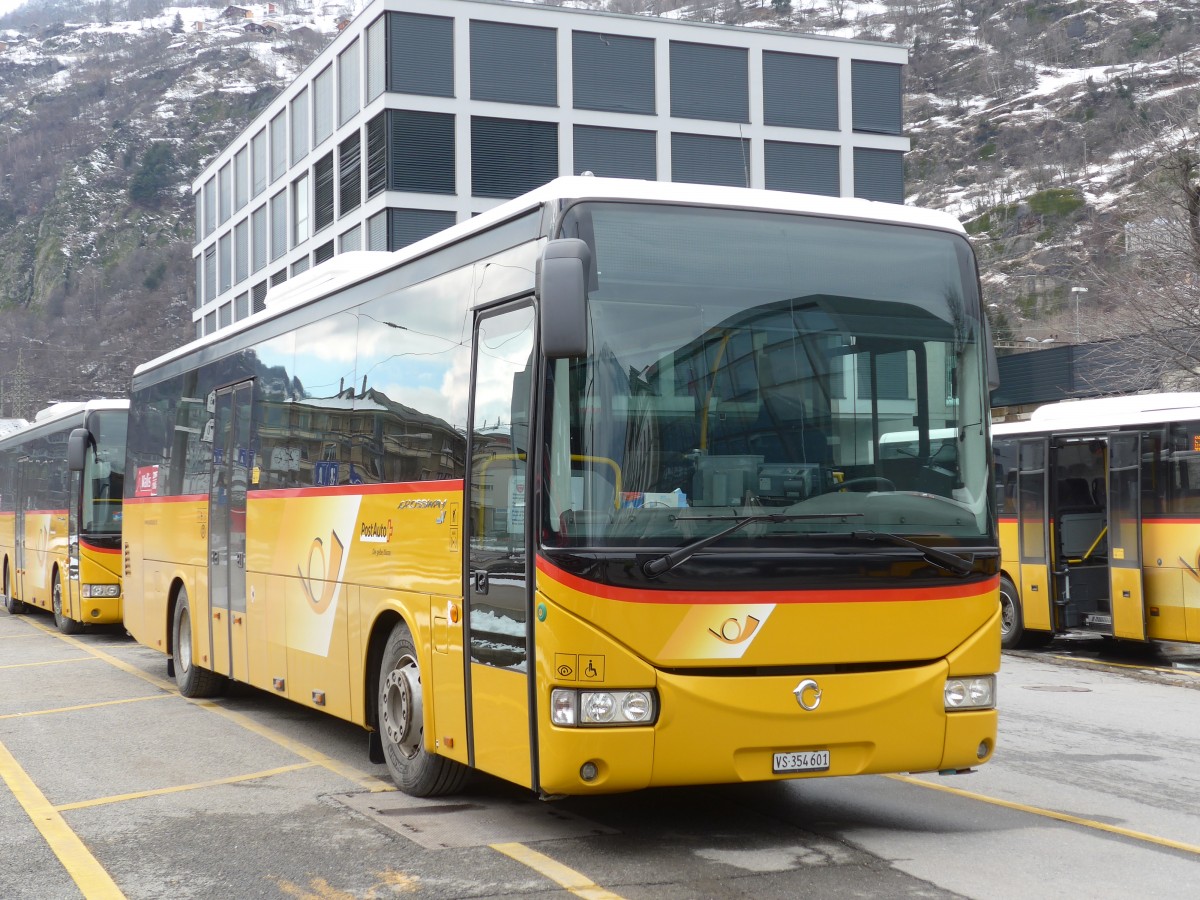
[9, 637]
[156, 792]
[63, 709]
[48, 662]
[1052, 814]
[1117, 665]
[578, 884]
[350, 773]
[93, 881]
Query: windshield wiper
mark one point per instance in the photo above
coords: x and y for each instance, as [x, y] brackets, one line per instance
[668, 561]
[932, 555]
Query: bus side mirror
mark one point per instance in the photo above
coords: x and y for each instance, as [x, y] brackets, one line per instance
[77, 445]
[562, 272]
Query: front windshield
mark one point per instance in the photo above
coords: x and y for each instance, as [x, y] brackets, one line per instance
[104, 473]
[752, 362]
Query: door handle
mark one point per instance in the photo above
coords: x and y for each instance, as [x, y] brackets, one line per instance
[239, 559]
[481, 581]
[216, 558]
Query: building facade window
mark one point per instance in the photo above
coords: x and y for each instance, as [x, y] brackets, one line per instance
[805, 168]
[299, 120]
[258, 239]
[225, 193]
[613, 73]
[279, 225]
[510, 157]
[323, 192]
[241, 176]
[514, 63]
[420, 54]
[258, 163]
[879, 175]
[323, 106]
[349, 174]
[708, 159]
[615, 152]
[300, 210]
[241, 251]
[348, 83]
[710, 82]
[225, 262]
[800, 91]
[278, 146]
[210, 206]
[350, 240]
[876, 96]
[407, 226]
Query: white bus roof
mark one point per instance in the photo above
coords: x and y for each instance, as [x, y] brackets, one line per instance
[1105, 413]
[351, 268]
[57, 412]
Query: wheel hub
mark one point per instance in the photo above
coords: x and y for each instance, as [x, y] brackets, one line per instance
[401, 707]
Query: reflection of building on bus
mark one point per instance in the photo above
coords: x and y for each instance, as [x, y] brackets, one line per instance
[581, 554]
[1098, 500]
[60, 526]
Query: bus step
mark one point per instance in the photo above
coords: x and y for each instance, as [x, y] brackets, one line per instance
[1095, 619]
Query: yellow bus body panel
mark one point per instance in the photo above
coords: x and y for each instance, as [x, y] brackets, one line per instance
[725, 728]
[99, 565]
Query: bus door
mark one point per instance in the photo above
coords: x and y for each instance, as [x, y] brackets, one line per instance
[227, 530]
[1033, 524]
[497, 630]
[22, 499]
[72, 602]
[1125, 535]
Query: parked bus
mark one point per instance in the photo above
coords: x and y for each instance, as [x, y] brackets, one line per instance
[1099, 505]
[582, 493]
[61, 488]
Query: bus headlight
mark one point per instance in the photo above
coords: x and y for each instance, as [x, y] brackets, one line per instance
[976, 692]
[570, 707]
[96, 591]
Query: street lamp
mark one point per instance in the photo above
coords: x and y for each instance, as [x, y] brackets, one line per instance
[1076, 291]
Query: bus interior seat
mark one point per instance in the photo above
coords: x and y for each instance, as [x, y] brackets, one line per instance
[1074, 493]
[1079, 530]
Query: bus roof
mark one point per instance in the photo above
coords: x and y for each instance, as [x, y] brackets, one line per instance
[350, 268]
[59, 412]
[1105, 413]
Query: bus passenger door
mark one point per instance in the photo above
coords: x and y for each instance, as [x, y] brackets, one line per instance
[227, 530]
[499, 586]
[1033, 526]
[1125, 535]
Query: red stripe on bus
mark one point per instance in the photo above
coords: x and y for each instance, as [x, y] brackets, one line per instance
[181, 498]
[115, 551]
[344, 490]
[855, 595]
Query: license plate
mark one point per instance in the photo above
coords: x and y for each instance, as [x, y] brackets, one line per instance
[801, 761]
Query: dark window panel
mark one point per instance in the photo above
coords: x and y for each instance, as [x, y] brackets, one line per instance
[709, 82]
[514, 63]
[420, 54]
[804, 168]
[615, 152]
[510, 157]
[421, 152]
[704, 159]
[875, 92]
[800, 91]
[879, 175]
[612, 72]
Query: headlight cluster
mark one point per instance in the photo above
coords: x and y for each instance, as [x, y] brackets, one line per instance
[570, 707]
[977, 692]
[95, 591]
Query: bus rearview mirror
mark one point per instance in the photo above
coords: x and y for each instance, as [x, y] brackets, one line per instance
[562, 272]
[77, 444]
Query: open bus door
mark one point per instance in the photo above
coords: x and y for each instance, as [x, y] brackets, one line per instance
[1125, 535]
[499, 590]
[1033, 523]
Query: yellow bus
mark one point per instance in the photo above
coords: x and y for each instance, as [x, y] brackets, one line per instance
[582, 493]
[61, 488]
[1100, 501]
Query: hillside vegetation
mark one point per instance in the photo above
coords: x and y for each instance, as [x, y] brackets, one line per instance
[1031, 121]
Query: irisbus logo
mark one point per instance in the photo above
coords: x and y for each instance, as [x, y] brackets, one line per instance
[376, 532]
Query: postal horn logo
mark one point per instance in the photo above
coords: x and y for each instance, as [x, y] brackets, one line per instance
[319, 583]
[734, 632]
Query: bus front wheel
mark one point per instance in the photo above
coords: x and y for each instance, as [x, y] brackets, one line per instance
[401, 720]
[12, 604]
[65, 623]
[1013, 635]
[191, 680]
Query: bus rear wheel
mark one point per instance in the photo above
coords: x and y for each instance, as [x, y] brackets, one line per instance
[1013, 635]
[14, 606]
[401, 720]
[65, 623]
[191, 680]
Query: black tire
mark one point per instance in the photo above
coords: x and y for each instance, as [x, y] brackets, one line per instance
[191, 679]
[1013, 635]
[14, 606]
[401, 719]
[65, 624]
